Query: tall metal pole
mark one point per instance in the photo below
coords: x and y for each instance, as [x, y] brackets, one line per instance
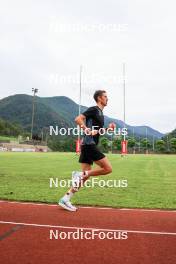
[124, 101]
[80, 94]
[134, 141]
[34, 90]
[80, 89]
[153, 143]
[139, 144]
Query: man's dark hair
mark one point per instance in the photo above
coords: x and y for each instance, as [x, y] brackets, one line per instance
[98, 93]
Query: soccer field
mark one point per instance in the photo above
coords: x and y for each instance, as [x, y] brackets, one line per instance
[151, 180]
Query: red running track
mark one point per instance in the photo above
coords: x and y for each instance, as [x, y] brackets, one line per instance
[25, 235]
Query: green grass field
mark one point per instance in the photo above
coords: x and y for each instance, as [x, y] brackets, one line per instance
[151, 180]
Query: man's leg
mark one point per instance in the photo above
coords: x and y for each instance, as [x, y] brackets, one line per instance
[65, 200]
[104, 168]
[84, 167]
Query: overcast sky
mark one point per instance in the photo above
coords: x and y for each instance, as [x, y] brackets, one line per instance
[44, 42]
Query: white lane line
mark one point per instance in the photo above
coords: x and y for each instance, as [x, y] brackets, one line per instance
[30, 203]
[89, 228]
[130, 209]
[94, 207]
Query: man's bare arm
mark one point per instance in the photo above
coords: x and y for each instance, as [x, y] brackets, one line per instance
[80, 121]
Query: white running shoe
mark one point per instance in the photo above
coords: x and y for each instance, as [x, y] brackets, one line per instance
[76, 179]
[67, 205]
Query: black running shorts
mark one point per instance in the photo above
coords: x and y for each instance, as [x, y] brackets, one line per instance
[89, 154]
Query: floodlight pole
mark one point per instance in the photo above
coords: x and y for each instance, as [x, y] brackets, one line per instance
[34, 90]
[80, 94]
[124, 99]
[133, 132]
[153, 143]
[134, 141]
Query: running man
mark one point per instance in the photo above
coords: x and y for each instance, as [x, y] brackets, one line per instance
[92, 118]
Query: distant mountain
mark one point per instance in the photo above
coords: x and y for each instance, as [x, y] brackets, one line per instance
[18, 109]
[57, 110]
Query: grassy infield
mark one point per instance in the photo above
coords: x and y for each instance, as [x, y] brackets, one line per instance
[151, 179]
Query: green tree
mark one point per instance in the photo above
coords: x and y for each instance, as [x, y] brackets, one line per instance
[160, 145]
[69, 144]
[104, 144]
[173, 144]
[9, 129]
[55, 144]
[117, 143]
[145, 143]
[131, 142]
